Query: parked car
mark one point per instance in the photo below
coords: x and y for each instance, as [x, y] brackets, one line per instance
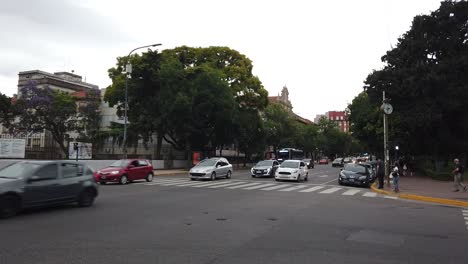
[125, 171]
[338, 162]
[211, 169]
[309, 163]
[264, 168]
[354, 174]
[323, 161]
[292, 170]
[41, 183]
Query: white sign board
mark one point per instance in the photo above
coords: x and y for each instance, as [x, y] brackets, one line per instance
[85, 150]
[12, 148]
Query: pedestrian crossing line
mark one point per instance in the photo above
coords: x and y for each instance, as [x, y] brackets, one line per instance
[323, 176]
[243, 185]
[466, 218]
[259, 186]
[390, 197]
[279, 186]
[210, 184]
[159, 182]
[227, 184]
[351, 192]
[293, 188]
[312, 189]
[370, 194]
[185, 184]
[331, 190]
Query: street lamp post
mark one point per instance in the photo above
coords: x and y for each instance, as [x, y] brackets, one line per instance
[128, 71]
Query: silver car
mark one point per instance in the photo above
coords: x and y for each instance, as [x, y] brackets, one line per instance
[265, 168]
[211, 169]
[40, 183]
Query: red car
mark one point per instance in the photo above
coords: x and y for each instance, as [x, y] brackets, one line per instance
[125, 171]
[323, 161]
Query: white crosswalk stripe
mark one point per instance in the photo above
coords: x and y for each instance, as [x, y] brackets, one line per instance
[279, 186]
[160, 182]
[243, 185]
[351, 192]
[227, 184]
[259, 186]
[293, 188]
[370, 194]
[190, 183]
[210, 184]
[466, 218]
[390, 197]
[331, 190]
[313, 189]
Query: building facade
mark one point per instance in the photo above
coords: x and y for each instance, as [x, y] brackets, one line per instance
[340, 118]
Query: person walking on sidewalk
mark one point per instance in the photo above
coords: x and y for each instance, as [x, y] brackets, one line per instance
[380, 173]
[458, 176]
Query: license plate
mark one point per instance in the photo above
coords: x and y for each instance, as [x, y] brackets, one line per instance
[351, 180]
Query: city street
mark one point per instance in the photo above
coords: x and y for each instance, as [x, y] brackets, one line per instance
[238, 220]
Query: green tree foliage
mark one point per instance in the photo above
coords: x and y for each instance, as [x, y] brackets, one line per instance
[89, 118]
[426, 78]
[279, 126]
[6, 110]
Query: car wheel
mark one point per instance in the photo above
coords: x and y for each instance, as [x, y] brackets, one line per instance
[9, 206]
[192, 179]
[228, 175]
[340, 183]
[213, 176]
[298, 178]
[253, 176]
[86, 198]
[277, 180]
[149, 177]
[306, 177]
[123, 180]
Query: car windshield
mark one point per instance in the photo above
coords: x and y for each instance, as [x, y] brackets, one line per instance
[290, 164]
[355, 168]
[264, 163]
[17, 170]
[120, 163]
[307, 160]
[337, 160]
[207, 163]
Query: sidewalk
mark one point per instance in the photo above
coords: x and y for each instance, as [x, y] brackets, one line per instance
[428, 190]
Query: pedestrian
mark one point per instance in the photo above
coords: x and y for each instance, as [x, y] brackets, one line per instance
[396, 179]
[458, 176]
[405, 169]
[380, 172]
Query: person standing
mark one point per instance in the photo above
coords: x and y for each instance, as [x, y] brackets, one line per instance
[458, 176]
[380, 172]
[396, 179]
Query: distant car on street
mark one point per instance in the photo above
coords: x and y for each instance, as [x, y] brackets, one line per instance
[264, 168]
[338, 162]
[354, 174]
[125, 171]
[42, 183]
[295, 170]
[348, 160]
[309, 163]
[323, 161]
[211, 169]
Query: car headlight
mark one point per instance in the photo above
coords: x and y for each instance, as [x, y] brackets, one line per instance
[114, 172]
[342, 175]
[363, 178]
[296, 171]
[252, 170]
[268, 170]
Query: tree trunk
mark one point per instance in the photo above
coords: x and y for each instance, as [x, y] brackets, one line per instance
[159, 146]
[221, 151]
[188, 153]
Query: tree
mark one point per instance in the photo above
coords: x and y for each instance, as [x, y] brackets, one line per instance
[6, 110]
[89, 118]
[250, 133]
[46, 109]
[279, 126]
[425, 77]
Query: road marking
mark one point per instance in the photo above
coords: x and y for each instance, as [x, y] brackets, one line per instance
[210, 184]
[351, 192]
[259, 186]
[465, 211]
[329, 181]
[279, 186]
[312, 189]
[323, 176]
[331, 190]
[390, 197]
[293, 188]
[243, 185]
[165, 182]
[466, 218]
[227, 184]
[191, 183]
[370, 194]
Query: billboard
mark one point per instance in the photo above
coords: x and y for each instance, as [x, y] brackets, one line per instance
[12, 148]
[84, 150]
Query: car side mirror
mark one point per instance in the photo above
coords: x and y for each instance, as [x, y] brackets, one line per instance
[34, 178]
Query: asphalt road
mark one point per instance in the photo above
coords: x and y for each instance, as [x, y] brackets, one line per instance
[217, 222]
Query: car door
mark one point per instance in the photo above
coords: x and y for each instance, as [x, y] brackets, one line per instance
[71, 180]
[219, 168]
[43, 186]
[303, 168]
[143, 169]
[133, 170]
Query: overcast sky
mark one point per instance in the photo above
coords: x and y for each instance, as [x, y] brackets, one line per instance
[321, 50]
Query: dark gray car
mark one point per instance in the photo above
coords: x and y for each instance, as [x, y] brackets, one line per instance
[264, 168]
[40, 183]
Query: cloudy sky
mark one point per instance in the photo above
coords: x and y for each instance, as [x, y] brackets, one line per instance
[321, 50]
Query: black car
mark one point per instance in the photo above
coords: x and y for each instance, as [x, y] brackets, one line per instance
[338, 162]
[309, 163]
[264, 168]
[355, 174]
[40, 183]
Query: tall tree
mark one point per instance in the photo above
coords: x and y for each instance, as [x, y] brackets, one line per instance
[6, 110]
[89, 118]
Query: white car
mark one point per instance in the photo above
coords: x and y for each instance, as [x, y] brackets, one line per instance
[292, 170]
[210, 169]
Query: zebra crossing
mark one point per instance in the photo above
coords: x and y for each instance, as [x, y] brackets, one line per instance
[268, 186]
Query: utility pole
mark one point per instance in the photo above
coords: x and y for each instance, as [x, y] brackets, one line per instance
[387, 109]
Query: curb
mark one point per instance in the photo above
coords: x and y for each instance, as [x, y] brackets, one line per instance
[415, 197]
